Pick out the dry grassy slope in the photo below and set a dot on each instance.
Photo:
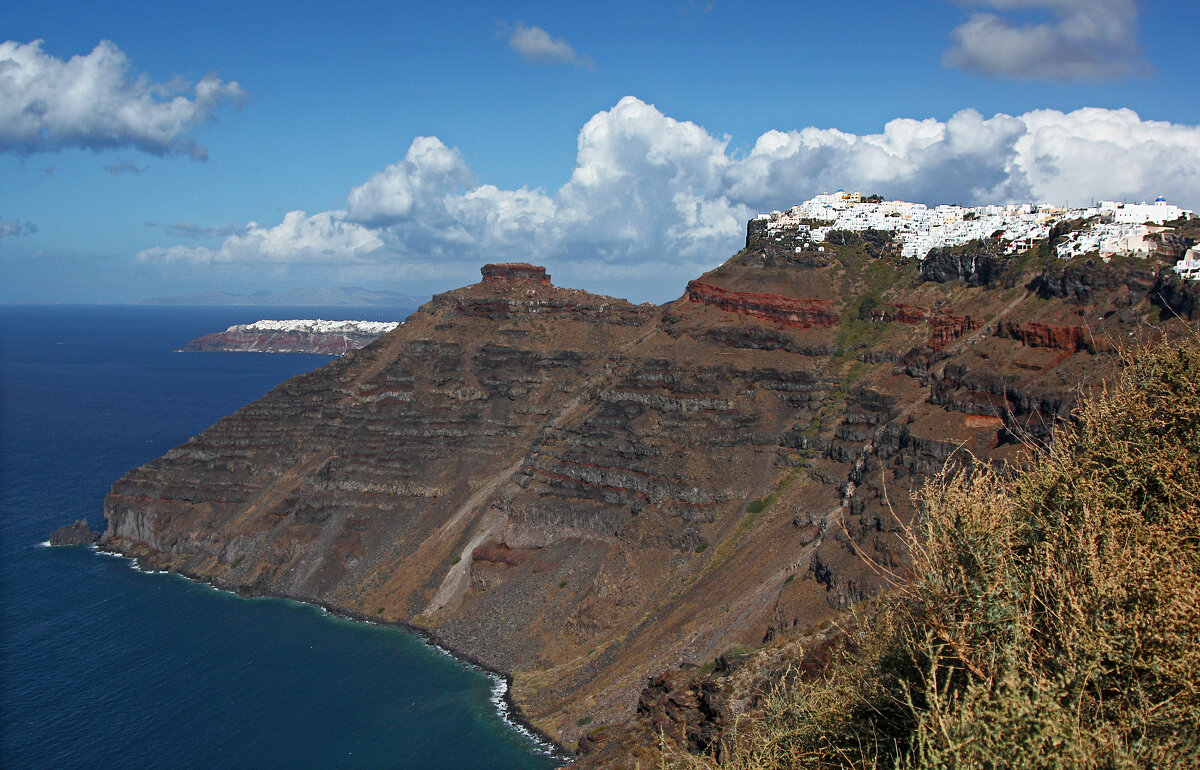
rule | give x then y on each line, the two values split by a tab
585	493
1094	663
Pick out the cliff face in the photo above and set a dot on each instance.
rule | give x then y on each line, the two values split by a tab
586	493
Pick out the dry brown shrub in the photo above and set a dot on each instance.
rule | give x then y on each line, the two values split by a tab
1054	620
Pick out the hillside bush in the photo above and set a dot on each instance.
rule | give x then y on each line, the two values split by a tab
1053	617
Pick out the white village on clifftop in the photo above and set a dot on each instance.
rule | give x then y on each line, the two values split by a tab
1108	228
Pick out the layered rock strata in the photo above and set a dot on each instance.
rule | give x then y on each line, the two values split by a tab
585	493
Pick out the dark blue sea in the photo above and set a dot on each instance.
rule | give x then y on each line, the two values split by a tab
105	666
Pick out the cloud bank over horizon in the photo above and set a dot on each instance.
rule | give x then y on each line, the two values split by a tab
97	102
654	196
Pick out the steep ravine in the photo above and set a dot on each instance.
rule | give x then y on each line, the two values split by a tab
586	493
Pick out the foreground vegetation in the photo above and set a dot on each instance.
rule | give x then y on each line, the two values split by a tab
1053	616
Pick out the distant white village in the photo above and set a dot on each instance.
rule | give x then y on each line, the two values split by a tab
1111	228
317	326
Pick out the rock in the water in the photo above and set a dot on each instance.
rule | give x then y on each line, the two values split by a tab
78	533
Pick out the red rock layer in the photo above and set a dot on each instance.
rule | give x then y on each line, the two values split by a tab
907	314
497	553
946	327
1043	335
789	311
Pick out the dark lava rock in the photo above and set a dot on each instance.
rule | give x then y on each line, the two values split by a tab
1176	296
78	533
974	265
1080	282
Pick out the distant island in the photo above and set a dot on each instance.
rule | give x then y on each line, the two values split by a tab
313	296
291	336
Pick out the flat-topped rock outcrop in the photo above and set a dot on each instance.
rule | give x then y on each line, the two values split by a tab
514	272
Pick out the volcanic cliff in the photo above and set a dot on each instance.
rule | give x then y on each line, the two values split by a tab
586	493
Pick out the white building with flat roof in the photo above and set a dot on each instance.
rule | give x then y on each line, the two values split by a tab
1189	266
1142	213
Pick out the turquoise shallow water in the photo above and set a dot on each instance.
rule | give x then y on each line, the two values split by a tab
105	666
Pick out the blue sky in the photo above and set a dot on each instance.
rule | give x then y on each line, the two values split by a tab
153	150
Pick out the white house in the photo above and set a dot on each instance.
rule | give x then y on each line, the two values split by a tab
1189	266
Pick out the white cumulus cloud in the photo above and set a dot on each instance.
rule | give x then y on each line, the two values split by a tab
965	159
97	102
1086	40
412	188
655	199
640	176
537	46
1111	154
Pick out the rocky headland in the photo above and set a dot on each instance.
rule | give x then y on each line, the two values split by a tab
291	336
79	533
594	496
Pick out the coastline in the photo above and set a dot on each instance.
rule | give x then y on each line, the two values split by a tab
505	707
